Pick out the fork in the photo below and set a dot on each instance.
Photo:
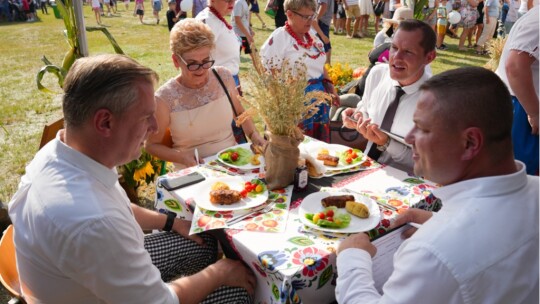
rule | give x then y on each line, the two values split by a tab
237	219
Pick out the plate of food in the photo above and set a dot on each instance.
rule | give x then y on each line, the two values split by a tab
339	212
336	157
241	157
230	193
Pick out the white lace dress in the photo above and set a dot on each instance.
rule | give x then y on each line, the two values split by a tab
200	118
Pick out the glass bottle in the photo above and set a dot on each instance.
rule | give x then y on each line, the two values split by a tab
301	177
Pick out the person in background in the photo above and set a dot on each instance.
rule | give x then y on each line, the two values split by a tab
255	10
442	23
280	18
512	15
227	50
430	13
321	25
366	10
393	6
139	10
352	11
391	94
469	14
172	16
241	25
389	25
188	102
97	10
126	4
43	6
78	239
198	6
340	17
462	254
298	42
518	69
491	13
156	8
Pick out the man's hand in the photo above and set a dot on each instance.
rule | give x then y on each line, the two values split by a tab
182	227
234	273
347	121
359	241
372	132
412	215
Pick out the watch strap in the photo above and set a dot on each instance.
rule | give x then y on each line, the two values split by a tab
170	221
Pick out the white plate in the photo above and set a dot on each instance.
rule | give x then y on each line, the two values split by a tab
333	150
247	166
202	198
312	204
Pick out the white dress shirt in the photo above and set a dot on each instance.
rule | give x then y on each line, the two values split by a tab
378	95
482	247
76	238
227	44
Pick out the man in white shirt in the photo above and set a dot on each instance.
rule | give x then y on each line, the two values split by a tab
77	237
413	47
482	247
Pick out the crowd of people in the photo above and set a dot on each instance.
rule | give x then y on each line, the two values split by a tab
473	131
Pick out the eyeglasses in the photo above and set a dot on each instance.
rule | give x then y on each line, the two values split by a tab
306	17
197	66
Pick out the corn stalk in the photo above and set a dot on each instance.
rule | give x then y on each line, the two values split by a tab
67	11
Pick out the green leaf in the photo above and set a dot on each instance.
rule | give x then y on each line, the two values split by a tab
327	274
411	180
301	241
106	32
60	74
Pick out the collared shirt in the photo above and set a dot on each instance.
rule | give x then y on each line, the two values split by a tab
76	238
378	95
227	44
482	247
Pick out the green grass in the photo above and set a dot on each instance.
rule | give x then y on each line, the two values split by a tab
24	110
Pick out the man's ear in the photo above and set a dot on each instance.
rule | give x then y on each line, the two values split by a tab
430	56
103	122
474	142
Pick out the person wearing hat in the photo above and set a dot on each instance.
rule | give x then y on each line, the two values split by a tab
385	35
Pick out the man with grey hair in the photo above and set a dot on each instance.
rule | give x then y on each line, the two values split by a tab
78	238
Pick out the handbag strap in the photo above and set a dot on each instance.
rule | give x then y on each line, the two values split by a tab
229	98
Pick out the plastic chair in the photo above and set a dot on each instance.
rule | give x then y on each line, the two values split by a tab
9	276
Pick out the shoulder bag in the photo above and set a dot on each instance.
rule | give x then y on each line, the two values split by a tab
238	132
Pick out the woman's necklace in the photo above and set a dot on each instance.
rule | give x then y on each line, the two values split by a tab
194	116
218	15
309	41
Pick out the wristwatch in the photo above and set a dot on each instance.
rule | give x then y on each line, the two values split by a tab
170	221
385	146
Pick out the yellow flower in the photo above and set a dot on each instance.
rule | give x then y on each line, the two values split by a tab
141	173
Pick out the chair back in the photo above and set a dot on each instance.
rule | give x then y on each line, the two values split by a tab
9	276
50	130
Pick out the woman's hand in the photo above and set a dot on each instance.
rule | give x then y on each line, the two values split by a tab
257	139
186	158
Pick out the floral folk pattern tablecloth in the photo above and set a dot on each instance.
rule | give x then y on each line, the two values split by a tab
299	265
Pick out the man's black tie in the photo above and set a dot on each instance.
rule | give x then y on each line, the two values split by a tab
387	122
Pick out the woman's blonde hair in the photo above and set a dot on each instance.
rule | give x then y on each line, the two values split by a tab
296	5
190	34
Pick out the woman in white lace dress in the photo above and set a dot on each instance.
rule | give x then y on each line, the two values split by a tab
194	105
